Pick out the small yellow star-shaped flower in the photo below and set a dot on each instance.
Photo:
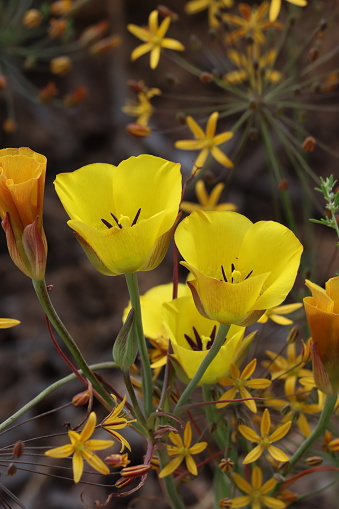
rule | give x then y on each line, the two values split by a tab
207	142
154	39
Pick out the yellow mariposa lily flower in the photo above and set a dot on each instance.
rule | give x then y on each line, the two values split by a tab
154	39
22	182
240	268
123	215
192	335
82	449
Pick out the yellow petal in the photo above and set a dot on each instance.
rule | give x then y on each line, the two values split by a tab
273	503
256	478
268	486
249	433
153	22
274	9
187	435
140	33
6	323
242	484
172	44
89	427
61	452
155	56
277	454
200	191
265	424
332	290
222	137
280	432
221	157
191	465
195	128
141	50
95	462
230	394
240	502
212	125
189	144
196	6
96	445
249	369
198	448
171	467
253	455
78	466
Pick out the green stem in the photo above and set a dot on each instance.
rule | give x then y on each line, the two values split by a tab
47	391
172	495
147	384
136	408
320	428
47	306
217	344
214	418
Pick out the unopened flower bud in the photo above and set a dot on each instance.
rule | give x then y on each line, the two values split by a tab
165	12
155	463
93	32
314	461
226	465
306	351
61	65
105	45
11	470
135	471
171	80
117	460
181	118
309	144
283	185
61	7
293	334
48	93
82	398
225	502
18	449
138	130
76	97
122	482
32	18
9	125
313	54
57	27
206	77
285	410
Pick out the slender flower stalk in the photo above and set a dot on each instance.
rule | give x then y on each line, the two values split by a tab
47	306
133	288
217	344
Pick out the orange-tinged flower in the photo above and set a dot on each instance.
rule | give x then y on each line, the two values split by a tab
82	449
123	215
251	23
207	142
238	279
183	450
257	492
240	382
266	439
207	202
154	39
322	311
22	181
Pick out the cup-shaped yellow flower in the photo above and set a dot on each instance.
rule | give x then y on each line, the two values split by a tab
82	449
154	39
322	311
240	268
123	216
192	336
22	182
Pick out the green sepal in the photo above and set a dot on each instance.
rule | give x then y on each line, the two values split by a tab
125	346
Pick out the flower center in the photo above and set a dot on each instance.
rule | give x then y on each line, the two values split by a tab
200	342
123	221
236	275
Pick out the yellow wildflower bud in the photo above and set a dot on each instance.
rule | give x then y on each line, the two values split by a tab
313	461
61	65
226	503
48	93
138	130
9	125
32	18
57	27
105	45
226	465
82	398
93	32
22	181
76	97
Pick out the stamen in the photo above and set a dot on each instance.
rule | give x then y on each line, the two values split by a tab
232	267
223	274
197	338
248	275
212	338
106	223
136	217
191	343
116	220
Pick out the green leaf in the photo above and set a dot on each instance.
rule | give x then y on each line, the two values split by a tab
125	347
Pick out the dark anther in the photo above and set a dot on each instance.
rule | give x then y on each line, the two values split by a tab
197	338
191	343
232	267
116	220
212	338
106	223
248	275
136	217
223	274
